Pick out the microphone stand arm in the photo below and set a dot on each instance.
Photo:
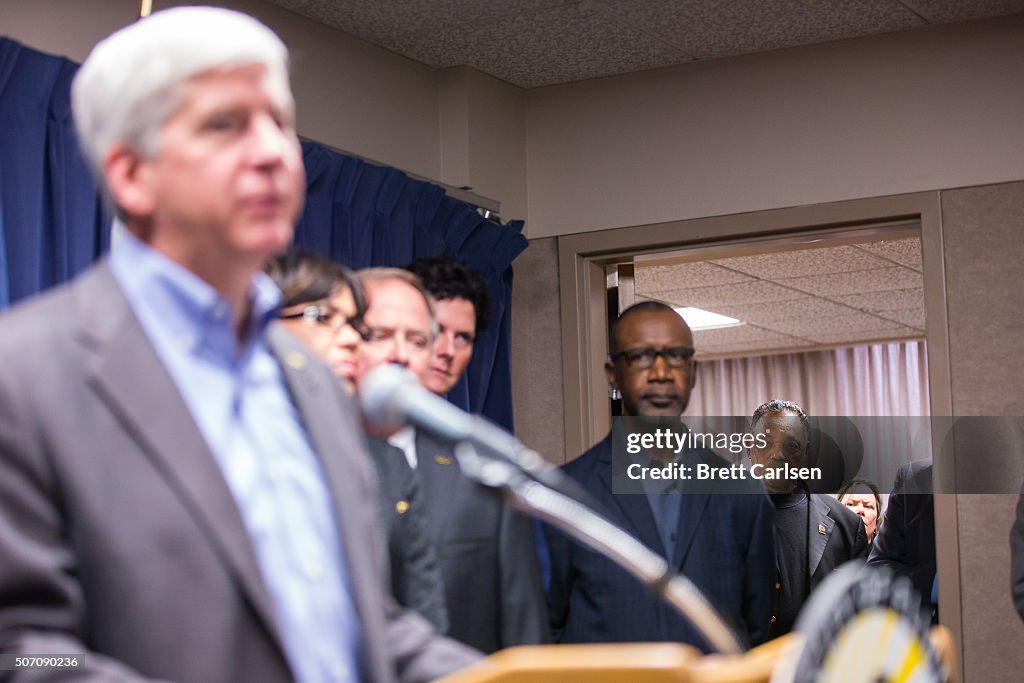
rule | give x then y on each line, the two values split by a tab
585	525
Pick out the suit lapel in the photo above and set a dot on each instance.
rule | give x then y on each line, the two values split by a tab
821	527
130	378
691	509
438	474
634	508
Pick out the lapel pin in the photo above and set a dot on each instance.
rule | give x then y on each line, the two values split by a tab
402	506
295	360
442	460
821	528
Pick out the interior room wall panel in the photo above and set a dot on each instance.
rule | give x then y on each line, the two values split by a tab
984	251
536	351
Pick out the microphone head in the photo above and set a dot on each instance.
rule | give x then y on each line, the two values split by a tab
383	394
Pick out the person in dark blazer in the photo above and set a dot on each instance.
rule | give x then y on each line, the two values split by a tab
487	551
415	572
906	541
814	532
183	491
323	305
487	554
722	542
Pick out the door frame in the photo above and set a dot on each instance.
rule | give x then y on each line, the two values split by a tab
583	260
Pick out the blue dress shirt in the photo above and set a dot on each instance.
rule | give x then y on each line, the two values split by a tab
237	396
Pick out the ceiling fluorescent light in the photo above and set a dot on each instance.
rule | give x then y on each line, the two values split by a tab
699	319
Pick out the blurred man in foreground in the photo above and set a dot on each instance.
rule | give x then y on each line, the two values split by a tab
183	495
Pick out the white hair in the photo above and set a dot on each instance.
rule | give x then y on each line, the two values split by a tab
131	82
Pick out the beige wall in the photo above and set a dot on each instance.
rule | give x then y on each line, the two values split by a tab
536	359
929	109
483	137
69	29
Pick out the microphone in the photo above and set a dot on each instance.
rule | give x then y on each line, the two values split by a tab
392	396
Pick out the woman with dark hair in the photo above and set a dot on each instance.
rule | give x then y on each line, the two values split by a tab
323	304
864	498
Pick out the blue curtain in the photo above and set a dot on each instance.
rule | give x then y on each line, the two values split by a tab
52	223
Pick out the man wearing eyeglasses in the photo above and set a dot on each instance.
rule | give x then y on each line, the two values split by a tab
487	553
722	541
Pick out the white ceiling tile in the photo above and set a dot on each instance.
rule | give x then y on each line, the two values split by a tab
774	311
788	264
650	279
911	318
810	327
710	298
707	339
905	252
857	282
885	300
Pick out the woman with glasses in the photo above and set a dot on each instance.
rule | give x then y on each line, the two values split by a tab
322	304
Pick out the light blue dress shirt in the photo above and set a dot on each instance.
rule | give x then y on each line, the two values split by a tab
237	395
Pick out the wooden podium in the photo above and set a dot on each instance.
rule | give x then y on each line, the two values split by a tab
646	663
620	663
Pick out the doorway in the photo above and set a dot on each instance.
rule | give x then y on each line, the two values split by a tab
585	260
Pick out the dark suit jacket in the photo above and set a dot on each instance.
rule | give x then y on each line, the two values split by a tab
118	533
724	547
906	540
415	573
835	536
1017	559
488	557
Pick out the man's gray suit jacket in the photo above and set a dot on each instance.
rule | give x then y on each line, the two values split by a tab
118	533
488	556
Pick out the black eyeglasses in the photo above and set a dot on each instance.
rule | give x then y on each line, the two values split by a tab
331	318
643	358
